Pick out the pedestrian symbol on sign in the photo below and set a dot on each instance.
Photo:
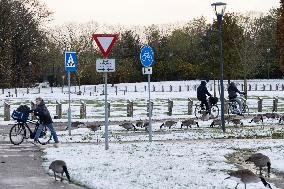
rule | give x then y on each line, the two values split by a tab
70	62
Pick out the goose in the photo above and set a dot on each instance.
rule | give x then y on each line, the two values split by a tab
237	121
146	125
168	123
246	176
139	123
260	160
216	122
272	115
128	126
188	123
94	127
59	166
257	119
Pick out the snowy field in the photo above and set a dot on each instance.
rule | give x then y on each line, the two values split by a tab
178	91
194	158
185	164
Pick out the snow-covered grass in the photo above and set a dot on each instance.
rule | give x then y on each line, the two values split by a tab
95	101
172	164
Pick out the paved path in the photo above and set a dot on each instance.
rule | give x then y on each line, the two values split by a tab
21	168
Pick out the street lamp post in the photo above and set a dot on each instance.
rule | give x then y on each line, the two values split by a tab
30	73
219	9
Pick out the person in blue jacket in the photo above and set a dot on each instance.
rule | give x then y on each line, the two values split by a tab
44	118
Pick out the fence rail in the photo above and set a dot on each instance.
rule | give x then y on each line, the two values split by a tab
128	108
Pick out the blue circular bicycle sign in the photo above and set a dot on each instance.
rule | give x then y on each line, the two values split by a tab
146	56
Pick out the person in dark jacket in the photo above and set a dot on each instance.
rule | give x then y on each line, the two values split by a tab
202	94
45	119
232	91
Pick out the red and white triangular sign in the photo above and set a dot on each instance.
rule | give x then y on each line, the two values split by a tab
105	42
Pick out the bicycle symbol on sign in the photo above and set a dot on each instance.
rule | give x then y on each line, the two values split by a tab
146	56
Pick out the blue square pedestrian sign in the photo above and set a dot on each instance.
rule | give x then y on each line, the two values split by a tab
70	61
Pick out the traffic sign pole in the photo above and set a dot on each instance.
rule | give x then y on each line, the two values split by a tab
147	58
106	114
150	109
69	107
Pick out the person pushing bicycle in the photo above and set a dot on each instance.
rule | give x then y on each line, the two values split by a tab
45	119
232	91
202	94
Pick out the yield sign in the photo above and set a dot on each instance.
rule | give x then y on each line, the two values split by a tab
105	42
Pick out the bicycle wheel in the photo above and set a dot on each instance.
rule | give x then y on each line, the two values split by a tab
17	133
198	112
214	111
45	136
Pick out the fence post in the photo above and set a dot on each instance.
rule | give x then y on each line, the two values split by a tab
187	87
275	103
163	88
259	104
115	90
129	108
170	107
83	110
263	87
249	87
27	90
95	89
282	87
226	105
242	86
125	88
2	91
39	90
33	117
58	110
108	106
179	88
270	87
152	105
255	87
145	88
6	111
135	89
276	87
171	88
154	88
190	106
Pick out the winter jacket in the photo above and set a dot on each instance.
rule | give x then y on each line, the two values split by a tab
42	112
233	90
202	91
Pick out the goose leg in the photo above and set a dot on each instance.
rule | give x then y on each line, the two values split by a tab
54	175
237	186
61	177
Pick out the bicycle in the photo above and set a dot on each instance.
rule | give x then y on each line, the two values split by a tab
200	111
18	132
233	107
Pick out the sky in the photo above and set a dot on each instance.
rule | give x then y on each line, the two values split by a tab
145	12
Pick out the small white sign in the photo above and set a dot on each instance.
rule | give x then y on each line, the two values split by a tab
105	65
147	70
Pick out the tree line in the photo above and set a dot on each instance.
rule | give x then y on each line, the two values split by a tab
30	52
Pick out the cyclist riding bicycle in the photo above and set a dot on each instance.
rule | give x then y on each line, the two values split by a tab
202	94
232	91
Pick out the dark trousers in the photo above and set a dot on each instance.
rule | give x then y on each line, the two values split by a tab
205	102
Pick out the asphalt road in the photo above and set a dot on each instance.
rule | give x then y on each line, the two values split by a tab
21	167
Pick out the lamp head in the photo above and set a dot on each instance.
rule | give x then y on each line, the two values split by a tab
219	8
